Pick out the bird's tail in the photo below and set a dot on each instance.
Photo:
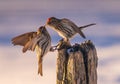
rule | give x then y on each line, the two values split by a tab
81	33
40	67
82	27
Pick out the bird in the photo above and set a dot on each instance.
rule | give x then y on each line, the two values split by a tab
39	41
65	27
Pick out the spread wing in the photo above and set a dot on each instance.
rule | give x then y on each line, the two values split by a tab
23	39
30	45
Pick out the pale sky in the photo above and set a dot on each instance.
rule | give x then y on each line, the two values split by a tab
20	16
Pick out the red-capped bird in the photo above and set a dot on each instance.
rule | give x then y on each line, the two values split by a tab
39	41
65	27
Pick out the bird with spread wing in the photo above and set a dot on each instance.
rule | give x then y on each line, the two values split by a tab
39	41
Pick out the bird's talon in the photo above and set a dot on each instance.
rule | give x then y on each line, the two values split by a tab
53	48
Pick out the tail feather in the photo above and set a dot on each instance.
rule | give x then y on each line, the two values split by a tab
40	68
82	27
82	34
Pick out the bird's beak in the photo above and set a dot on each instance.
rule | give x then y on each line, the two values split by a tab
45	25
47	22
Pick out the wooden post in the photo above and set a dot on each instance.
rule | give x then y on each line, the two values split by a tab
77	64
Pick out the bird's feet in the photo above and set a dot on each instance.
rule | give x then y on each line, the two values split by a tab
61	44
53	48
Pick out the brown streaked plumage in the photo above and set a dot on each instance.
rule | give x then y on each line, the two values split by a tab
65	27
23	39
39	41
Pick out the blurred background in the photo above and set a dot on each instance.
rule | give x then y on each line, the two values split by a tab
21	16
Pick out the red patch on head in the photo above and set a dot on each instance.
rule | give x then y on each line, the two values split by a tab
48	20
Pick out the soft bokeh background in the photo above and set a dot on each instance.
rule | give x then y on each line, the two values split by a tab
20	16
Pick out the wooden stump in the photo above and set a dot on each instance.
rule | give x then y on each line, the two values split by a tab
77	64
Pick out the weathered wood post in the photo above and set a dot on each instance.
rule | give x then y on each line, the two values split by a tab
77	64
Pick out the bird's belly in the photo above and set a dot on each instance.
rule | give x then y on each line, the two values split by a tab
38	52
67	34
62	34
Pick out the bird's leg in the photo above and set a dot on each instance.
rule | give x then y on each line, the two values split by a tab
61	40
64	40
60	44
53	48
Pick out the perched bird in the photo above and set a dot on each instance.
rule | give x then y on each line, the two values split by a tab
39	41
65	27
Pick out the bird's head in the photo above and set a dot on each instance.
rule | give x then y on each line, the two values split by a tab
41	30
51	20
